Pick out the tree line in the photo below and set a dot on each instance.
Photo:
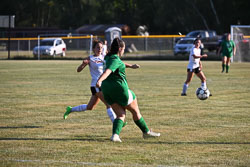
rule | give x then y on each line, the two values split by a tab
160	16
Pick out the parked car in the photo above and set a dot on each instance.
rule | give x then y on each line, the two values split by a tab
51	47
183	46
209	38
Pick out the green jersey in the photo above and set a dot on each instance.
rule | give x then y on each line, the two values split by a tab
114	63
227	48
115	87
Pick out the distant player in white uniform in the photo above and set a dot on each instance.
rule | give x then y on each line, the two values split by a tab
95	63
104	48
195	67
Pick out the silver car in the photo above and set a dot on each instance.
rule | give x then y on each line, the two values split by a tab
183	46
51	47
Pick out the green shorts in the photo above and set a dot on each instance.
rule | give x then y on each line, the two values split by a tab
121	95
227	55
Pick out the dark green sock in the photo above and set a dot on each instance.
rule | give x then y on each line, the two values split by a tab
117	126
223	67
142	125
227	68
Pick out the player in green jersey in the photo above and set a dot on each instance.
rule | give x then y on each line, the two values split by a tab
227	49
117	93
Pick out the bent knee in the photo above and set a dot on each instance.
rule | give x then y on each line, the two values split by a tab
90	107
121	117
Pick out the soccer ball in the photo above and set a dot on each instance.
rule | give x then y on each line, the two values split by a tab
202	94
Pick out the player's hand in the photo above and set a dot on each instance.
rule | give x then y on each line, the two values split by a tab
205	55
85	61
134	66
98	84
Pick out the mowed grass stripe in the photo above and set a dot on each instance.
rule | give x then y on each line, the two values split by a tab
214	132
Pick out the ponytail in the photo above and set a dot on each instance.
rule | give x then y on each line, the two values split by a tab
116	44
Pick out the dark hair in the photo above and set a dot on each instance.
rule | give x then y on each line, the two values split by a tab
197	39
116	44
95	42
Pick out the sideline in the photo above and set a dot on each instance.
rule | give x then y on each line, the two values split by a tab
76	162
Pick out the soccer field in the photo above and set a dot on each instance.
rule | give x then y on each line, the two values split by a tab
34	95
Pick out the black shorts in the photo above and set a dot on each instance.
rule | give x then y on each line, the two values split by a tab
195	70
94	90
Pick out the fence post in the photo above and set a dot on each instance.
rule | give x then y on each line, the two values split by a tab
29	46
9	39
38	52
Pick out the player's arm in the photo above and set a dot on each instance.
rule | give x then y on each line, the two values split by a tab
83	65
104	75
134	66
201	56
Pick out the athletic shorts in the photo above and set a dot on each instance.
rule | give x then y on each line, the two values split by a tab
195	70
95	90
229	55
122	99
120	95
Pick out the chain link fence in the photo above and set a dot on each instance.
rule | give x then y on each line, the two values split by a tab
137	47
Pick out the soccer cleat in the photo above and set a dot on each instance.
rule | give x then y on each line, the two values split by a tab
68	111
115	138
183	94
150	134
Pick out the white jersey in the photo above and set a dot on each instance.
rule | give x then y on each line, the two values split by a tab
95	68
104	49
194	63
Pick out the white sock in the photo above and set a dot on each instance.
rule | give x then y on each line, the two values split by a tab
79	108
185	87
111	114
204	85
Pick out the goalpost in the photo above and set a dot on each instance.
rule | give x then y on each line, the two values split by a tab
240	34
72	41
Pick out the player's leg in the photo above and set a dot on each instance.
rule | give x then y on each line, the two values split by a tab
94	100
190	75
224	58
110	111
203	80
228	64
118	122
139	120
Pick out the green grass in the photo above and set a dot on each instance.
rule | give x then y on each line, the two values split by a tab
74	54
34	95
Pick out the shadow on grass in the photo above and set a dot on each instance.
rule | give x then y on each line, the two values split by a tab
104	139
18	127
56	139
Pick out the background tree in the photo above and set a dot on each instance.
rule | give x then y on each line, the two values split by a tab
160	16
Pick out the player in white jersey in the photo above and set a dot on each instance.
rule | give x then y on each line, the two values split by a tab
105	48
95	63
195	67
